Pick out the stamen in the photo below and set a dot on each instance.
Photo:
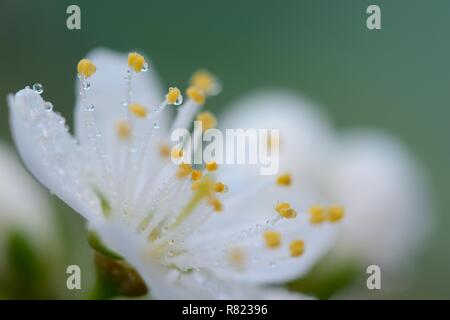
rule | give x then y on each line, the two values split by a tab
164	150
219	187
317	214
86	68
204	190
184	170
284	209
136	61
297	247
211	166
237	258
335	213
284	180
123	130
205	81
196	175
272	239
216	204
207	119
138	110
173	96
196	95
177	153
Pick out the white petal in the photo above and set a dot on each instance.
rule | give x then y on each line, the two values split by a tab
385	195
50	152
172	284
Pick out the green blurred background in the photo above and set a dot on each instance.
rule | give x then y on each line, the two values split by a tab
397	78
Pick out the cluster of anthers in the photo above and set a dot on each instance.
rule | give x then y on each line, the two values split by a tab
166	203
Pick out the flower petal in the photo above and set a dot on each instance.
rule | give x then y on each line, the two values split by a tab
172	284
383	188
49	151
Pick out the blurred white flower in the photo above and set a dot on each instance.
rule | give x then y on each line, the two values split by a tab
24	207
185	235
367	171
28	250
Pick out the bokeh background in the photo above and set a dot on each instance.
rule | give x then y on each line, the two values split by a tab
397	79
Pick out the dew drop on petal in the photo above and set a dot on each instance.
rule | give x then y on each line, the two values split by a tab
179	100
48	106
86	85
145	67
39	88
91	107
156	125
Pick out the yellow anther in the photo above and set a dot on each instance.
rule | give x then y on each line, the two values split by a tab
220	187
284	209
211	166
216	204
335	213
203	80
86	68
317	214
184	170
136	61
196	175
237	258
177	153
138	110
284	179
297	247
164	150
272	239
123	130
173	95
196	95
207	119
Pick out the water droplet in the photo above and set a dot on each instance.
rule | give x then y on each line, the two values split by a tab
171	242
91	107
48	106
170	253
145	67
39	88
86	85
124	103
179	100
156	125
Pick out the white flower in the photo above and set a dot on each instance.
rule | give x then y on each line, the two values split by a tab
187	239
29	252
24	208
369	172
